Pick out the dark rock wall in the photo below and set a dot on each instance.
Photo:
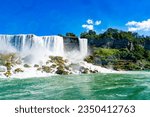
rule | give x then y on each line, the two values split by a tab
147	44
110	43
71	44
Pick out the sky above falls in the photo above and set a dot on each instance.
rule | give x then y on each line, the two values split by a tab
52	17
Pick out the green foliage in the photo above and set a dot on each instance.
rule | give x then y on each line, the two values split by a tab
147	55
138	52
121	59
89	35
70	34
125	54
105	52
115	34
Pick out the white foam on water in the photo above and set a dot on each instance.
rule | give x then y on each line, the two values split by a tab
98	68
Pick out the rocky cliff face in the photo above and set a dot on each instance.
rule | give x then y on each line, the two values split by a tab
147	44
111	43
117	43
71	43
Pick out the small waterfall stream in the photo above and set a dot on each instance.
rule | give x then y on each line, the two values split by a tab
83	44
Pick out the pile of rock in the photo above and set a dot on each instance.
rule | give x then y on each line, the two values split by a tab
55	64
85	70
7	61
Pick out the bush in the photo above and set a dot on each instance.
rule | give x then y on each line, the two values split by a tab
104	52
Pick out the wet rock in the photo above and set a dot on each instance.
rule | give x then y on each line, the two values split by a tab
46	69
36	65
8	65
11	57
93	71
39	69
89	59
61	71
57	60
27	66
8	74
53	66
18	70
84	70
67	68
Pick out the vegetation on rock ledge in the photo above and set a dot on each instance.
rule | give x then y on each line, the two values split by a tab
119	50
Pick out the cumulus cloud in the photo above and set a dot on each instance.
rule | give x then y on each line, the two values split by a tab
98	23
89	21
139	26
90	24
88	27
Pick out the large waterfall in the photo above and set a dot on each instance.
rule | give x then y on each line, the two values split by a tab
34	48
53	44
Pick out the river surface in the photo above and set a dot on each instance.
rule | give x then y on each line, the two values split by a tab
132	86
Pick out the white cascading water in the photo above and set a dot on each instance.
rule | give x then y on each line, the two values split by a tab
5	44
54	44
83	44
77	56
31	47
36	47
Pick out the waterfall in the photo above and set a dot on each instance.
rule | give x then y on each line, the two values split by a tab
5	44
35	47
53	44
83	43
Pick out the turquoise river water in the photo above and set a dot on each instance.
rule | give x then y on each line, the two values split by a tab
135	86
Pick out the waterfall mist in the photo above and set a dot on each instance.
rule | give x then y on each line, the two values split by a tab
5	45
35	49
77	55
32	48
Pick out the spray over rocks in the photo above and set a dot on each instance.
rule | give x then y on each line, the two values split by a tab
37	56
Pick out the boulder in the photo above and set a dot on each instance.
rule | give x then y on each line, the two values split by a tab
27	66
61	71
84	70
8	65
7	74
46	69
39	69
36	65
17	70
53	66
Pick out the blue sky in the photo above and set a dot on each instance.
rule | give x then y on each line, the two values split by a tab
49	17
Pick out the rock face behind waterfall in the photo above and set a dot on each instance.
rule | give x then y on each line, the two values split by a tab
110	43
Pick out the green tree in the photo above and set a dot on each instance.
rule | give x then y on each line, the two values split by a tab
70	34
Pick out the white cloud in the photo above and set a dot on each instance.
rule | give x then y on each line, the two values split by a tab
90	24
98	22
89	21
88	27
139	26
